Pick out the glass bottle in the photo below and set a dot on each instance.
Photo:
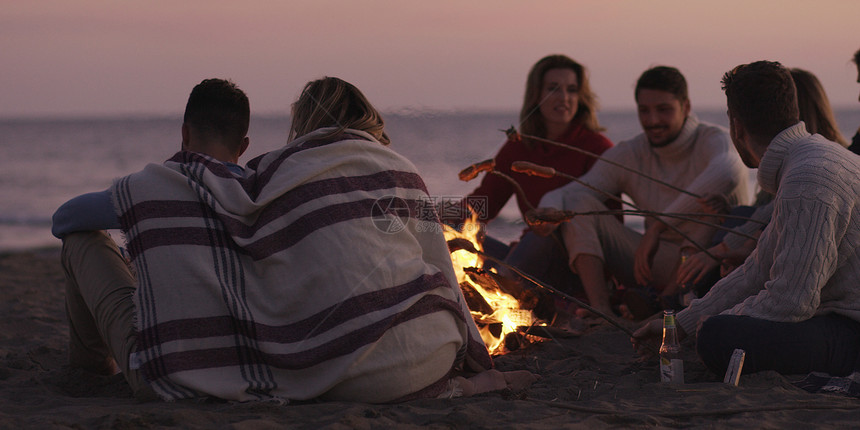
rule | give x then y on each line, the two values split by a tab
671	365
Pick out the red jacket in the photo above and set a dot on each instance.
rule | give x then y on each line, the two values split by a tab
498	190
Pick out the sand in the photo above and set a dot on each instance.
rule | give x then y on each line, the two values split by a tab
589	381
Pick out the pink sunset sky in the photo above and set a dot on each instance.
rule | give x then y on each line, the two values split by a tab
99	57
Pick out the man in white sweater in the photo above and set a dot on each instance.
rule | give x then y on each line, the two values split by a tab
676	148
794	305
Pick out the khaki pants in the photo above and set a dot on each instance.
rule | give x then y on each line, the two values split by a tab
99	291
608	239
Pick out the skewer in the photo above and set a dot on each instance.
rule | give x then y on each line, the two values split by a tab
556	216
512	131
549	172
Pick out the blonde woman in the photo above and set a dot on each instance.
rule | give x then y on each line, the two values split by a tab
371	275
558	105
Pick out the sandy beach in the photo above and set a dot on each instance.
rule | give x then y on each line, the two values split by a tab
589	381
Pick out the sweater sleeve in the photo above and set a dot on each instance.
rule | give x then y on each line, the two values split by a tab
87	212
721	175
602	176
762	214
732	289
782	279
805	252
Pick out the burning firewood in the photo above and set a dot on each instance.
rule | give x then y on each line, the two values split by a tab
468	246
493	281
498	305
459	243
474	300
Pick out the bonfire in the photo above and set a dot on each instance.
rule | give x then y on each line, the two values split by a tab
502	309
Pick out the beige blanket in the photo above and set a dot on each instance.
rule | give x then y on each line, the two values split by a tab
320	272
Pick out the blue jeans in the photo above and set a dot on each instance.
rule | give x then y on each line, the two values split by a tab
828	343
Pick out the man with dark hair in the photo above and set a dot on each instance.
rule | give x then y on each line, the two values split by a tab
676	148
794	305
218	109
99	283
216	122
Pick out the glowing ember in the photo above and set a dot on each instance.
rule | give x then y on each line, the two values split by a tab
506	310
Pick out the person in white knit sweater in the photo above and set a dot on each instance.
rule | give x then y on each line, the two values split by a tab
794	305
675	147
731	250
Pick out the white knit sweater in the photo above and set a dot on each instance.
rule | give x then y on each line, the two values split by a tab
807	261
701	160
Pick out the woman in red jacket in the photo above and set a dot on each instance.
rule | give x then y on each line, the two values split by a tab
560	106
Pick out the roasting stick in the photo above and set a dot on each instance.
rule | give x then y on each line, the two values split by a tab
473	170
549	172
467	245
513	133
712	215
561	216
689	216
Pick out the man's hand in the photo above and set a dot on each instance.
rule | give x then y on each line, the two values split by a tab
652	332
695	267
714	203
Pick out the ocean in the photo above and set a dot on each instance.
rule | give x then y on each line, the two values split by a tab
45	162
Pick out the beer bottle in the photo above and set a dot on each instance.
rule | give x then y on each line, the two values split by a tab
671	365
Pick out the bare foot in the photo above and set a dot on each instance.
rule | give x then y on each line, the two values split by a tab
106	367
493	380
517	380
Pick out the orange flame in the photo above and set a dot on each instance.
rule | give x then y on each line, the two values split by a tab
506	308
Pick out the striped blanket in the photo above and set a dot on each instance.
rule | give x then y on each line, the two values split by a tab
322	272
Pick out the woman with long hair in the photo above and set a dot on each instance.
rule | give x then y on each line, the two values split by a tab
335	103
369	272
558	105
855	141
815	108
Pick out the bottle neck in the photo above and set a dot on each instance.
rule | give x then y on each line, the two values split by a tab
670	334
